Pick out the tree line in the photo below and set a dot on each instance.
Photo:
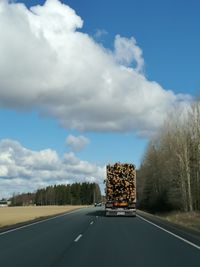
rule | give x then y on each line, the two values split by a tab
169	176
71	194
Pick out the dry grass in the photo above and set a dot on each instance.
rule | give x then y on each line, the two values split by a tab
13	215
188	219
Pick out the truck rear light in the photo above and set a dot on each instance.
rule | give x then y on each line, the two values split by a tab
120	204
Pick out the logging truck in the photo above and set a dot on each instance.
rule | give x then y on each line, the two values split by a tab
120	190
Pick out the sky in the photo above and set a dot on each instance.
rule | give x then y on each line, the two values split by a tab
87	83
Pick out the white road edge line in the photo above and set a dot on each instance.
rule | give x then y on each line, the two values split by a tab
91	222
78	237
181	238
45	220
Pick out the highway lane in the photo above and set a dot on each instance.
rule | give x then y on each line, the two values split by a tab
86	238
42	243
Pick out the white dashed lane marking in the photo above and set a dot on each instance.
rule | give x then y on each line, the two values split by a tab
78	237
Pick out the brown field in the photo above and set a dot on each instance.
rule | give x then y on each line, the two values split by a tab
13	215
188	219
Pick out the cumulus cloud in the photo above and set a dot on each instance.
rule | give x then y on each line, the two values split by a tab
46	63
77	143
23	170
126	52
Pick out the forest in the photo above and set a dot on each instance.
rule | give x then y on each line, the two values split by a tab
71	194
169	176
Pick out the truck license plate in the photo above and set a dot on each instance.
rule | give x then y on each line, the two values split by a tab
120	213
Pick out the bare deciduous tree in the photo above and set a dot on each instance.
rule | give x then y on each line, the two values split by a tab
170	171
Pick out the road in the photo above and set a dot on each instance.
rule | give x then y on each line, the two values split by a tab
86	238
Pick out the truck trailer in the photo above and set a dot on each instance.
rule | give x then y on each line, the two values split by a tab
120	190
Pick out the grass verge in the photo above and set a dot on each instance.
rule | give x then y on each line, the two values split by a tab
189	220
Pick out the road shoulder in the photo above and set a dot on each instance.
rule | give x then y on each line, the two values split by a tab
186	233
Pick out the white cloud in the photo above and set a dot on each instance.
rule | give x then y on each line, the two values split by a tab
99	33
71	159
126	52
47	64
23	170
77	143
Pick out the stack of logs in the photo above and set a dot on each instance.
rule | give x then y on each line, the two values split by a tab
120	183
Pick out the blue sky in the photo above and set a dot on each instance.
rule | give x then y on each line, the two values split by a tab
150	53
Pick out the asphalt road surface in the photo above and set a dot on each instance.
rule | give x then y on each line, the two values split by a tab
86	238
